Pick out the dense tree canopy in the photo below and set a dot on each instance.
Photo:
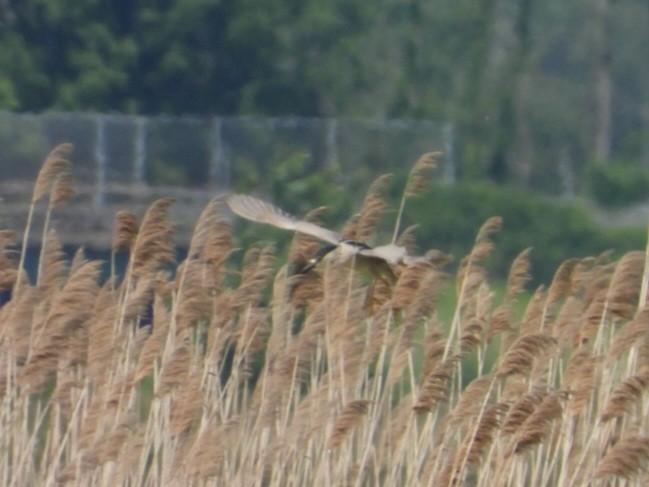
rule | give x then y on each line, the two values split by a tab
523	80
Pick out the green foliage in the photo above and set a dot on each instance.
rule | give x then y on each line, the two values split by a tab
618	185
528	107
450	216
24	147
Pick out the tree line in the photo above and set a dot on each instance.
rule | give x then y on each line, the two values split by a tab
522	80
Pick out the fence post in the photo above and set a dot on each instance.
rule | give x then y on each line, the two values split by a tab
449	174
331	143
100	161
220	175
566	173
139	167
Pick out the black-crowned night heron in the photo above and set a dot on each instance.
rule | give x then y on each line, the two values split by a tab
375	258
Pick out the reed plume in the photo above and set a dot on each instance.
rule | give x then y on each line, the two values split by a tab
347	420
538	425
626	460
71	309
525	352
153	247
626	395
124	235
416	183
363	224
56	163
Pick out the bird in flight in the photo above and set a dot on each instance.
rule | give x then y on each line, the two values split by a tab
376	258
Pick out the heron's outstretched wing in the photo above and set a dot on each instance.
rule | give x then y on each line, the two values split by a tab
392	253
259	211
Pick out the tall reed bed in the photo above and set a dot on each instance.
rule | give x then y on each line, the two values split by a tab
218	375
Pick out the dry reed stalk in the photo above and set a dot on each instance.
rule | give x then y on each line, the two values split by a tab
18	322
517	279
61	191
306	291
380	328
347	420
398	418
250	338
470	275
626	460
363	224
518	276
416	183
125	231
470	402
282	315
154	344
538	425
500	323
474	324
596	278
187	403
475	445
68	390
409	282
624	289
205	458
193	299
220	329
129	456
55	164
434	346
308	425
8	271
152	248
408	241
566	325
564	281
136	304
218	247
124	234
204	227
419	309
102	449
595	298
419	174
258	270
626	395
102	337
345	343
533	320
54	269
296	363
466	281
435	387
521	357
630	335
522	409
70	310
176	363
580	379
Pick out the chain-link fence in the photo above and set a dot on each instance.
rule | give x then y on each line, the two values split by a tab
125	162
211	153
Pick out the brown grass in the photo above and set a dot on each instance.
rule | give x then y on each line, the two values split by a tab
218	374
